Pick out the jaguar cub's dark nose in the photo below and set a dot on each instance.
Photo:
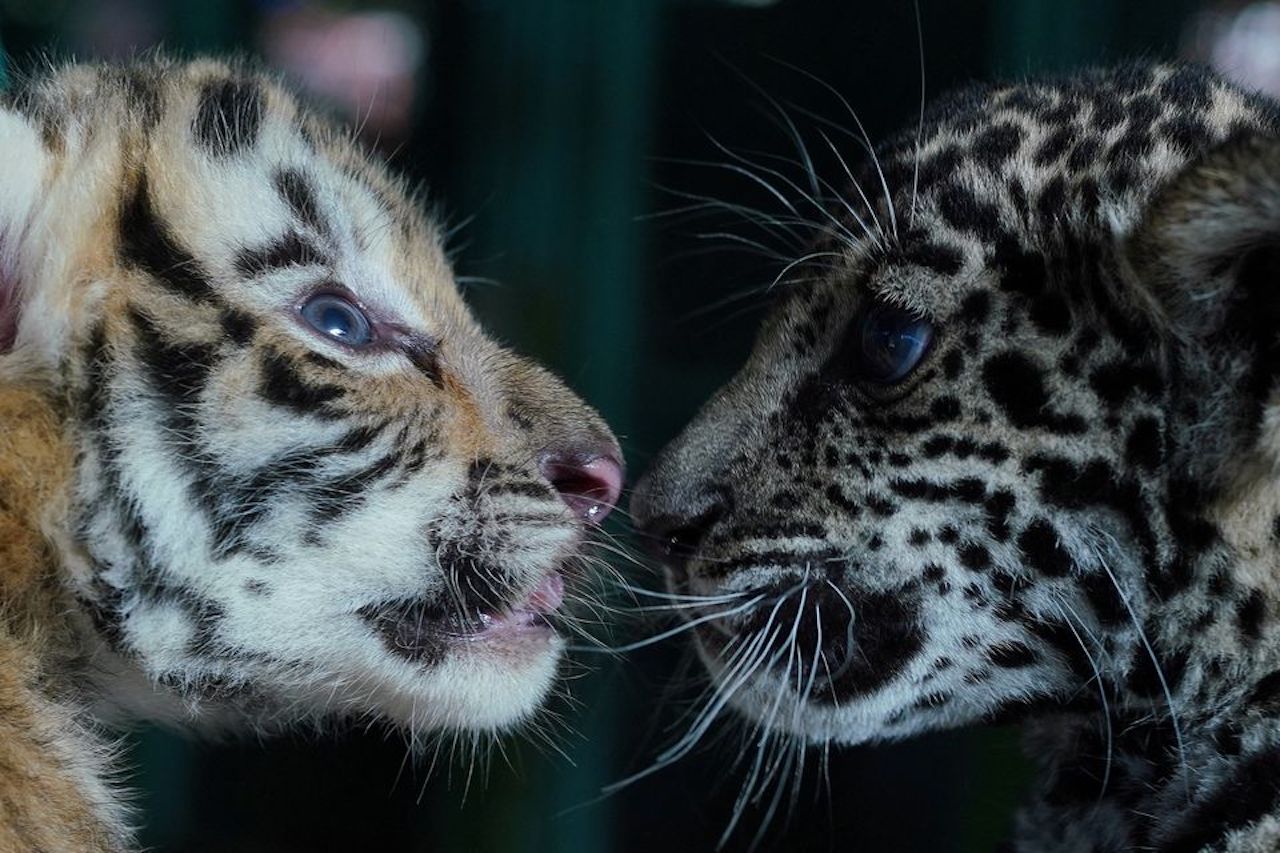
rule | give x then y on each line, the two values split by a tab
675	539
589	482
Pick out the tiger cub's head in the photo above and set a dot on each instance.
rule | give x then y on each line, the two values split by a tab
306	484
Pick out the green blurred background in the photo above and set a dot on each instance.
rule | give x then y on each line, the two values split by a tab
554	129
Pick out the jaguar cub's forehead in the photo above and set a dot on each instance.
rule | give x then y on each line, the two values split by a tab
997	181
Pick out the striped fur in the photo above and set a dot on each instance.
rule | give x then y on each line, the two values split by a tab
255	525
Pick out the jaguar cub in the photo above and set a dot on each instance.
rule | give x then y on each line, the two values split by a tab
259	466
1011	451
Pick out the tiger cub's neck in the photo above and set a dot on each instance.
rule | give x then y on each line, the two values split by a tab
55	793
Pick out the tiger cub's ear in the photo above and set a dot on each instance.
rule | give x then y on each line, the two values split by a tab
1207	255
23	166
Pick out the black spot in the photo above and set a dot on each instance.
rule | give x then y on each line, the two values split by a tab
975	558
1051	314
887	637
1017	386
994	146
836	496
993	452
976	308
1051	202
1114	383
324	361
1042	550
229	116
937	445
1145	680
1187	87
1012	655
1054	145
881	506
1083	154
999	506
967	213
1185	133
1250	614
930	701
942	259
1064	639
945	409
1105	599
1265	695
1107	113
1143	448
952	364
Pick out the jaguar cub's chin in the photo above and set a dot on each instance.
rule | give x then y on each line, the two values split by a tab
808	655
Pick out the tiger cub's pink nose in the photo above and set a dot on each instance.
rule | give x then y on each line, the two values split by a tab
589	484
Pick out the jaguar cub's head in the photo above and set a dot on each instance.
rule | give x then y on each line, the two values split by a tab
991	456
305	481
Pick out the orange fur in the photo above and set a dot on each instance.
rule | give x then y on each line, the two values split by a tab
42	800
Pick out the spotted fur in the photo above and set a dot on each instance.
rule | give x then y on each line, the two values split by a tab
1068	514
214	516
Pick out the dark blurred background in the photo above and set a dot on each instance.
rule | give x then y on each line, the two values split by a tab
553	132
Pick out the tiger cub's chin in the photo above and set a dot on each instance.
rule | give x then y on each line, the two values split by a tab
258	462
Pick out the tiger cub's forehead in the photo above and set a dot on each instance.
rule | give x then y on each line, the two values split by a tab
258	190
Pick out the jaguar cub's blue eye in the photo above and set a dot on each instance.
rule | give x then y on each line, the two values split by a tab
338	318
890	343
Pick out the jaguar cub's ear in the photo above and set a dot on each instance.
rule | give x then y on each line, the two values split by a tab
1208	248
1207	255
23	167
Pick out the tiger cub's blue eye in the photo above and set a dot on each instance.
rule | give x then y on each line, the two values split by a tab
890	343
339	319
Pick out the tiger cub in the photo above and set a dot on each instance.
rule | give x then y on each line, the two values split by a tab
259	465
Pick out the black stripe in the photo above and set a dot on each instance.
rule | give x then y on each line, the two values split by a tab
1251	793
290	250
229	116
238	326
424	352
296	190
97	373
147	245
524	488
143	96
336	497
178	371
283	386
